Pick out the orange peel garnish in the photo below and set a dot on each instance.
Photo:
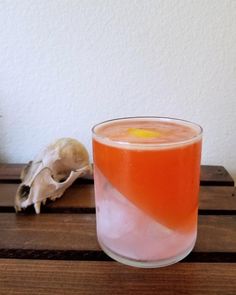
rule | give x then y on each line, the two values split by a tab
143	133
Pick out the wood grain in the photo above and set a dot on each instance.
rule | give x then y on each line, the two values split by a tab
210	175
217	198
48	231
74	277
78	232
82	197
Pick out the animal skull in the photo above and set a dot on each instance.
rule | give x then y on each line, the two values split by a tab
51	173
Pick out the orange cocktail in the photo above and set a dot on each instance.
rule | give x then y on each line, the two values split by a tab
146	186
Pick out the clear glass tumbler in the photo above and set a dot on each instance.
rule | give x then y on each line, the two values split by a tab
146	173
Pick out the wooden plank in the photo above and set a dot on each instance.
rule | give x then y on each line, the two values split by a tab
216	234
78	232
215	175
76	197
82	197
78	277
48	231
210	175
10	171
217	198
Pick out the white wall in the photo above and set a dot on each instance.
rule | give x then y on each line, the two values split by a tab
66	65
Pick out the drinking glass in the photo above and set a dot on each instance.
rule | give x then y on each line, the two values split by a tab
146	174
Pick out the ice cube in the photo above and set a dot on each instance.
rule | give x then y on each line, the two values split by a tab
115	218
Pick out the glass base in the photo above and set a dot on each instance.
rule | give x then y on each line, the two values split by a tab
147	264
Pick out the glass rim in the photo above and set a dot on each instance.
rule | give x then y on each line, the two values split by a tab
117	143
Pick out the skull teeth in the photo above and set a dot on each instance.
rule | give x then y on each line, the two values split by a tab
37	206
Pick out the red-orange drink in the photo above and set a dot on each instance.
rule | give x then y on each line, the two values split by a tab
146	187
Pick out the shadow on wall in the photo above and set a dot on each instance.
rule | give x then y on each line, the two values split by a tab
1	141
2	137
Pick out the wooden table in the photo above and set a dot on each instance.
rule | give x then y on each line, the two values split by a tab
56	252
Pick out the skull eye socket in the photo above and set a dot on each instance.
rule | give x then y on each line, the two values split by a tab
24	192
61	176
